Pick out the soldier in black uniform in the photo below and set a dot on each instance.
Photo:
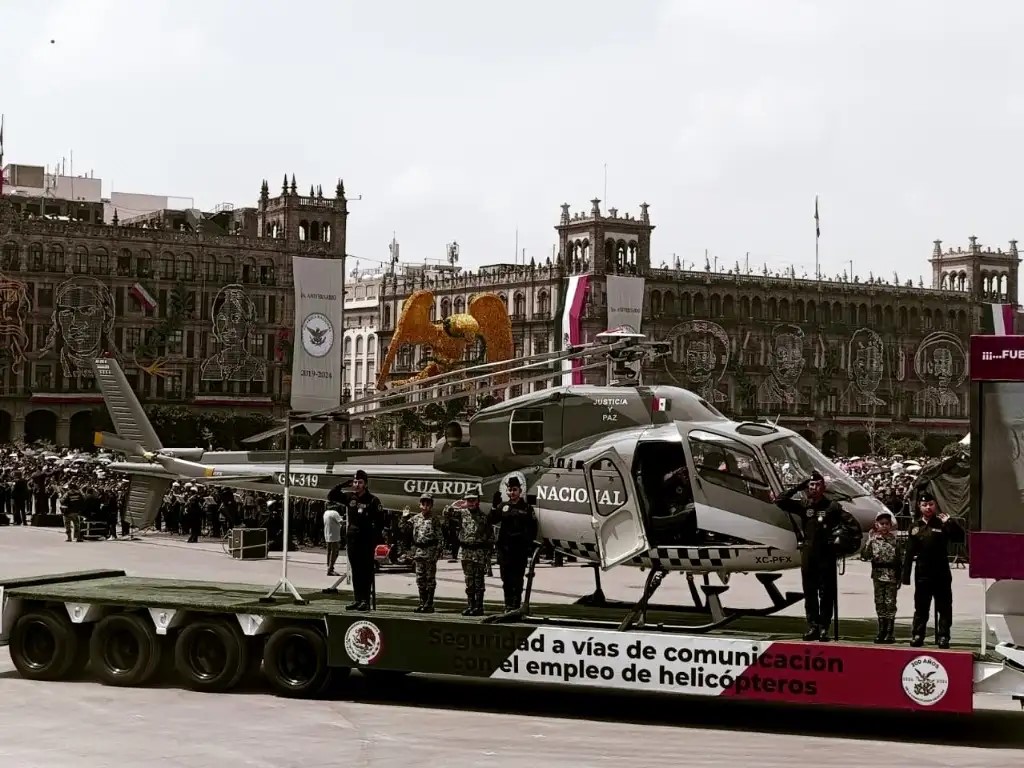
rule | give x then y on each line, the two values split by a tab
517	532
928	543
364	527
827	532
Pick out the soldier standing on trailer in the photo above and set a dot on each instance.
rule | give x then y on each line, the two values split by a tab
363	531
928	543
476	537
427	541
828	532
517	531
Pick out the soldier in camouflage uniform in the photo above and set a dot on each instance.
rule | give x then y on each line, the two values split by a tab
882	550
476	538
427	540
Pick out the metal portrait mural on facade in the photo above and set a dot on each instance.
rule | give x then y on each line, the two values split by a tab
700	356
866	367
234	318
785	365
81	325
14	311
941	365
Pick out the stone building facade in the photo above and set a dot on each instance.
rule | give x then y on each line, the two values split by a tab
846	363
197	307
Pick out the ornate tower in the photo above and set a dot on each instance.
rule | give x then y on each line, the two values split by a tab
605	245
311	219
989	276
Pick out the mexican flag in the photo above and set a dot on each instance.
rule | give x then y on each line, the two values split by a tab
998	319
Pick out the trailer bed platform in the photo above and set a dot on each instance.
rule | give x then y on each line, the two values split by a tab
128	631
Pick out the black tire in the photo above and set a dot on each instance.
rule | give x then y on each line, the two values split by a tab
44	645
211	655
295	662
125	650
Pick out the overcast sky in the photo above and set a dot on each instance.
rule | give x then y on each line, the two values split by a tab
462	120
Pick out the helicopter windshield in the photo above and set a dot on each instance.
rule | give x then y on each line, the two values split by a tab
793	460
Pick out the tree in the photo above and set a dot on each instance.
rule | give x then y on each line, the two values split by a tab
905	446
956	448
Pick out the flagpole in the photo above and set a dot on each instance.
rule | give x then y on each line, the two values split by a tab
817	237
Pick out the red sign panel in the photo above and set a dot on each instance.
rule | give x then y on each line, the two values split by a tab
861	677
997	358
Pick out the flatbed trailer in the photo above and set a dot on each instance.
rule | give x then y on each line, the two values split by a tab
127	631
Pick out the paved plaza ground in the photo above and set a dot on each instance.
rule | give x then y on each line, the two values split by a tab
455	723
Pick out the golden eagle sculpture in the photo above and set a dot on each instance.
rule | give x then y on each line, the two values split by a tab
449	338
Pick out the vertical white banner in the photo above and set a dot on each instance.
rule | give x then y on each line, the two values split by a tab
625	301
316	360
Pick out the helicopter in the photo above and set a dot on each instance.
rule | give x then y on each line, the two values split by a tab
592	458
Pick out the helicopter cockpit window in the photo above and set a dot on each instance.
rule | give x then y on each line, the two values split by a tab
793	459
609	487
723	461
526	432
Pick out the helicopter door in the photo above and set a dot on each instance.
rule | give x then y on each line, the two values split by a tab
732	494
615	513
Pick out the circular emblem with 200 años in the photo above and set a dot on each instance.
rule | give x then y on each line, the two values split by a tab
925	680
317	334
363	642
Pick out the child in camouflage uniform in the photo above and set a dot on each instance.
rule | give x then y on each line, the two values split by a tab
427	540
882	550
476	539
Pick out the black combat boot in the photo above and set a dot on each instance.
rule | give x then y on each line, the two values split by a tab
916	641
356	606
470	603
823	635
880	637
478	604
428	601
812	633
942	642
423	602
890	632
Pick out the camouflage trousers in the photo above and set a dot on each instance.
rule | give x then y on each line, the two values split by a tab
885	598
474	572
426	574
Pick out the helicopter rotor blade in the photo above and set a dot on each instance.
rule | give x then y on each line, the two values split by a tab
117	443
184	468
456	377
456	395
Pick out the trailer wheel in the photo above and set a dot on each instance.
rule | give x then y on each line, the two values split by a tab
295	662
211	655
44	645
125	650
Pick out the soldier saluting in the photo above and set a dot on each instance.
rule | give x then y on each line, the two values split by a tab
928	543
476	537
427	539
516	534
364	515
827	532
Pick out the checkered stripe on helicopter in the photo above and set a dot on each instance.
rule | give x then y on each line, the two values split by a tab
666	557
684	557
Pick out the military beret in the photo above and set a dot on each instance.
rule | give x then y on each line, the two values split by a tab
817	477
361	475
925	496
513	482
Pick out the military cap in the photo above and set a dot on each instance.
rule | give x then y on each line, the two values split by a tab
817	477
361	475
925	496
426	497
885	513
471	496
